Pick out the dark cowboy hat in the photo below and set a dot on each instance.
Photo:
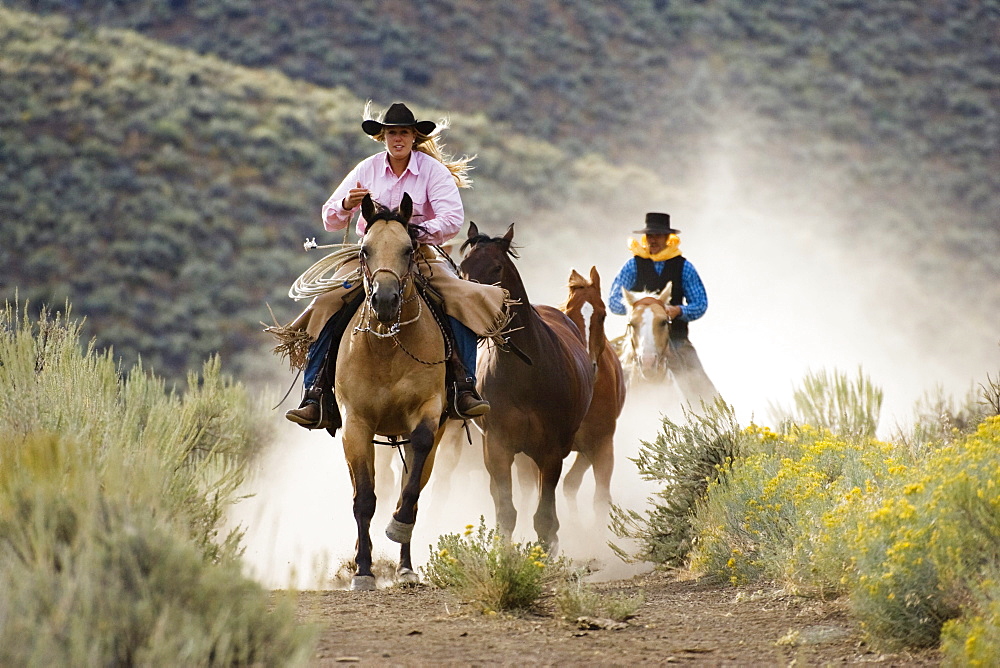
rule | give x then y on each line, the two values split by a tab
657	223
398	115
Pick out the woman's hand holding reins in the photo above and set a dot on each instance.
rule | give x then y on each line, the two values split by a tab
354	197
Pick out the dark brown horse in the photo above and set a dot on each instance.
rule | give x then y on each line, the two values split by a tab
390	380
595	439
539	396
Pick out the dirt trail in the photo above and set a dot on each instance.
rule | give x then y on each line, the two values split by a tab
683	621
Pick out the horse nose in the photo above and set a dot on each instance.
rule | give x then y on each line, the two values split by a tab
385	305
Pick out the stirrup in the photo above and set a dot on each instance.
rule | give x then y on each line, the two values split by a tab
460	388
329	414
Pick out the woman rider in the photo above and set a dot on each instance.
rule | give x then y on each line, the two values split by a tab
412	163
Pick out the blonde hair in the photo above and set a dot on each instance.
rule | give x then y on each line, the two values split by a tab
433	146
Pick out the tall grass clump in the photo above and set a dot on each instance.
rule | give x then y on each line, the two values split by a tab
834	402
575	598
684	458
112	492
939	419
484	568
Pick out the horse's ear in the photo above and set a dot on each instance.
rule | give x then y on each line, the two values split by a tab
595	278
473	230
666	293
629	297
405	208
368	208
576	280
510	234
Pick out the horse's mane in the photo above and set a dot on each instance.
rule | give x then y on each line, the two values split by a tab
487	239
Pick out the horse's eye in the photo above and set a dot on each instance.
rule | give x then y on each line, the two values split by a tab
663	323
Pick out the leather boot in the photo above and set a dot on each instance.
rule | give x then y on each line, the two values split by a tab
310	413
466	401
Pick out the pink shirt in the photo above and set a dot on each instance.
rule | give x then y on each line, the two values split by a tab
436	203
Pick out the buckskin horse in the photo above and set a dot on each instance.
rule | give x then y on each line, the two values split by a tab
594	441
390	380
646	349
539	390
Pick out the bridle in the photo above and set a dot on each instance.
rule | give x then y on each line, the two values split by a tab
661	362
405	281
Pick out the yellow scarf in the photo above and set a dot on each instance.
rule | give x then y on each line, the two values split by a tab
641	248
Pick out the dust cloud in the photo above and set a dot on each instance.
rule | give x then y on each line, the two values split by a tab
299	527
787	297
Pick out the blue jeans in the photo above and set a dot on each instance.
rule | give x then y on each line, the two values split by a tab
466	342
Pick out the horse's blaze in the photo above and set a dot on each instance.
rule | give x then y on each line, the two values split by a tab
647	338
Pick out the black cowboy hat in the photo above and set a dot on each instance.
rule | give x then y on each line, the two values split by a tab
398	115
657	223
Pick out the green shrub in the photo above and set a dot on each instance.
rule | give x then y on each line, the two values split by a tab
484	568
88	578
685	458
112	495
908	533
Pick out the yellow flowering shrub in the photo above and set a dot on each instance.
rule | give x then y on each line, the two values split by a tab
974	640
923	554
771	513
486	569
908	529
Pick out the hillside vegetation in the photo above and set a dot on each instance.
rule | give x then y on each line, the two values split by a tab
907	90
165	193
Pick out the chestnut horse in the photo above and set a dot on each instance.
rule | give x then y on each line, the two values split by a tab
390	380
538	396
646	351
595	439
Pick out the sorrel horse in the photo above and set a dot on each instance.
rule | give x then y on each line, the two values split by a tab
539	396
390	380
646	348
594	441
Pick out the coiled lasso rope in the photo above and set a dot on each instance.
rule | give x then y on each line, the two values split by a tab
313	281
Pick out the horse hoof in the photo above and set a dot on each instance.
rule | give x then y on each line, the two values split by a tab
407	576
399	532
363	583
